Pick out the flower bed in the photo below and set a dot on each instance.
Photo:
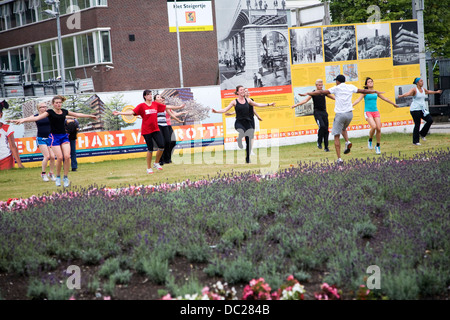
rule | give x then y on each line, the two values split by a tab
338	220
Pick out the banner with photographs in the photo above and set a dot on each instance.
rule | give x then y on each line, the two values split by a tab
387	52
115	137
253	50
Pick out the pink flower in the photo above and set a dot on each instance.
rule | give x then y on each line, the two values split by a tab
167	297
107	298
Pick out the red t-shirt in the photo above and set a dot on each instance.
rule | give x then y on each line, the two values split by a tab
149	116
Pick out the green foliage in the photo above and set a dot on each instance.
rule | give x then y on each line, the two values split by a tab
190	287
109	267
239	270
401	286
365	229
121	277
93	284
110	121
155	268
91	256
233	235
81	104
38	289
195	252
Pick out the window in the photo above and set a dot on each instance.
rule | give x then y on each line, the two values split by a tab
48	58
99	3
69	53
19	9
85	49
15	60
106	46
41	61
4	60
22	12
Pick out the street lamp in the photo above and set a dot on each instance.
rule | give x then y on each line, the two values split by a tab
56	14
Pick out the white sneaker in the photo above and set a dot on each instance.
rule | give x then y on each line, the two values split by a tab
417	144
157	166
423	138
369	145
149	171
339	161
52	176
66	182
348	146
377	150
44	178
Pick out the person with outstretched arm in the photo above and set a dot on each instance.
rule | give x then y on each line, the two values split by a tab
344	111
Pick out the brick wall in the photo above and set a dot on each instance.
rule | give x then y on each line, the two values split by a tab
151	61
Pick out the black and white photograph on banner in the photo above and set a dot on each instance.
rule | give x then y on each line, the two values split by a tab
350	71
306	45
405	43
306	109
339	43
253	44
331	72
405	101
374	41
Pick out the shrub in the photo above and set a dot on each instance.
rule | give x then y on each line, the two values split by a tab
401	286
40	289
109	267
155	268
91	256
365	229
239	270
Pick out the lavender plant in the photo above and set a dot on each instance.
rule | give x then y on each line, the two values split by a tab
386	211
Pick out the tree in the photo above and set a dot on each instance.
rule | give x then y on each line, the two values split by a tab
79	103
110	121
15	109
436	18
196	111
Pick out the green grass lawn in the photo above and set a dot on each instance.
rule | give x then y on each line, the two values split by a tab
23	183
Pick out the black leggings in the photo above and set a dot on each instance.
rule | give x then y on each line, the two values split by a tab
169	145
417	116
322	121
157	137
246	129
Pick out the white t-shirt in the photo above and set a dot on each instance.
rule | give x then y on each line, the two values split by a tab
343	94
5	132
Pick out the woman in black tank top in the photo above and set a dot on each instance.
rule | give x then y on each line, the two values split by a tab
252	112
244	116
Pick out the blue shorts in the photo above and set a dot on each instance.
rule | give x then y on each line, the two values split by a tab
43	141
58	139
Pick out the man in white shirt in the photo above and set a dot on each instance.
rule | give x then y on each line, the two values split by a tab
344	110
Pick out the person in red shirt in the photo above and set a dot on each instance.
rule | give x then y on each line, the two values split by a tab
148	111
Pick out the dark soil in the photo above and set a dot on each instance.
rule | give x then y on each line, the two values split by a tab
15	287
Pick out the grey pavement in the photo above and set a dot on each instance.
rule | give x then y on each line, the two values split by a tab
440	127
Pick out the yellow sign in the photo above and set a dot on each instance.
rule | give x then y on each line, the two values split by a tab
357	51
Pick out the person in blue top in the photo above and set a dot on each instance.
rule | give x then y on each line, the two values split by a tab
419	110
44	143
372	114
